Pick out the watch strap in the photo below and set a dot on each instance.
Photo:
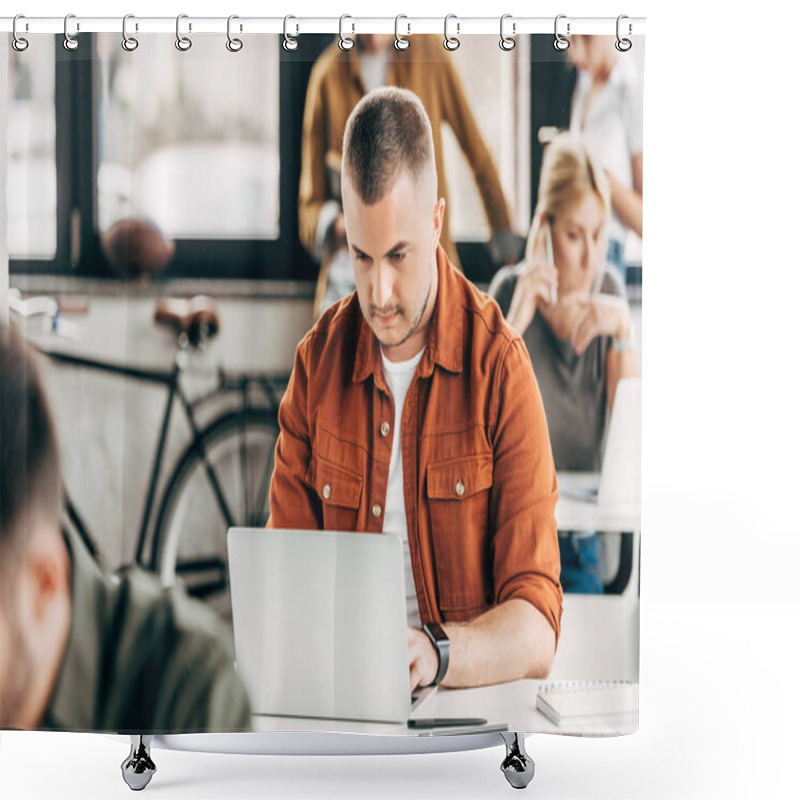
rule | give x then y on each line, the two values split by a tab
441	644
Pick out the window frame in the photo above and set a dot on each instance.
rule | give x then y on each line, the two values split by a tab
281	259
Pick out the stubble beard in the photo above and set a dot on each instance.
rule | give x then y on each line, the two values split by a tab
414	325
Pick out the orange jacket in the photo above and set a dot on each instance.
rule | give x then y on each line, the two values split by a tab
480	484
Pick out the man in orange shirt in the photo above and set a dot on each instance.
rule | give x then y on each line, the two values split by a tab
413	409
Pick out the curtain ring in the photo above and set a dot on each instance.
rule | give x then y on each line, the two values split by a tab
506	42
345	42
623	45
234	45
451	42
70	42
183	43
400	42
129	43
560	42
289	43
19	43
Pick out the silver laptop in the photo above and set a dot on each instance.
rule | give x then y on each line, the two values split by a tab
620	478
319	623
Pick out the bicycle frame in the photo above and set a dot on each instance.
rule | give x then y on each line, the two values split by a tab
170	380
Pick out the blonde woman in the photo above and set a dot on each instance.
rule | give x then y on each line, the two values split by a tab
571	311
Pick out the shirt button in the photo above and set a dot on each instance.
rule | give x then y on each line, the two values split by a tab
376	510
459	489
385	428
326	491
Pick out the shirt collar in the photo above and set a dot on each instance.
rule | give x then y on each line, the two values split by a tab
73	703
444	344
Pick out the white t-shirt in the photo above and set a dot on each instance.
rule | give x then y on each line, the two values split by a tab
611	127
398	376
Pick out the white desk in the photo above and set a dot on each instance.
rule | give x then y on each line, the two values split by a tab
510	706
574	513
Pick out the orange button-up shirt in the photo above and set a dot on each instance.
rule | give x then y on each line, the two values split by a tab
479	481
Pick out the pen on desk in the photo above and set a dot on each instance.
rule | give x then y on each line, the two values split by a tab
445	722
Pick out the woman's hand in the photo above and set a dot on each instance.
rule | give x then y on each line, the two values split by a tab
537	286
596	315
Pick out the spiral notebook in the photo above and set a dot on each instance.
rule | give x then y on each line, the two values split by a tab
579	701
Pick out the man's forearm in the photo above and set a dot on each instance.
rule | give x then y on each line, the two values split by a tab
510	641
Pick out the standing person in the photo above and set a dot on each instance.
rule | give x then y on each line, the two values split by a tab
339	79
412	409
81	650
607	114
570	308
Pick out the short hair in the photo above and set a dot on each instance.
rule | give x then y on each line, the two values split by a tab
29	463
388	131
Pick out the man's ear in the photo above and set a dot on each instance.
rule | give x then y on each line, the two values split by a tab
438	221
47	565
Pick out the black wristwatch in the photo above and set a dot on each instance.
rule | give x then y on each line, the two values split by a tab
442	646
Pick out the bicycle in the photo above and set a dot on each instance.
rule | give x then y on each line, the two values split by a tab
221	478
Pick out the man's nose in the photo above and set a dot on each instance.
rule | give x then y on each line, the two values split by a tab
383	286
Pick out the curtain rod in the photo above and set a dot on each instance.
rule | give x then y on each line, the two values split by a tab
298	25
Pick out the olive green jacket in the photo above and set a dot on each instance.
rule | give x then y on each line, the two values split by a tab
142	659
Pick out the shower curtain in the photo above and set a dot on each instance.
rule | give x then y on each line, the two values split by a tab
174	230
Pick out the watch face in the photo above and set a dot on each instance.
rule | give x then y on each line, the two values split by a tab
437	631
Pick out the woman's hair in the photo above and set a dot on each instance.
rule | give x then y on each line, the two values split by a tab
568	175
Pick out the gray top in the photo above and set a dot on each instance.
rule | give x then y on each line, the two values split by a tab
142	659
573	389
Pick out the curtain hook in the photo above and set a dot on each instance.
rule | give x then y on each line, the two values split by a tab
506	42
19	43
129	43
560	42
233	44
400	42
183	43
289	43
345	42
623	45
70	42
451	42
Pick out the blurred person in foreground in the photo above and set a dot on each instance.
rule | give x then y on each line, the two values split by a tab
570	308
81	650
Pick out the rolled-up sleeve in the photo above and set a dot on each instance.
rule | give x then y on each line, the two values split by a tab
524	493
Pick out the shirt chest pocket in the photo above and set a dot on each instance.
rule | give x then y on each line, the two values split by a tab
458	497
339	491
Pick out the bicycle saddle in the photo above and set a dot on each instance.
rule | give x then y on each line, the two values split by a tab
197	317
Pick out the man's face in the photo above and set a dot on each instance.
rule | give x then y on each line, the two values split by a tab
374	43
593	54
393	249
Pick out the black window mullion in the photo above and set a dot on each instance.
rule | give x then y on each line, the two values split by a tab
59	264
85	134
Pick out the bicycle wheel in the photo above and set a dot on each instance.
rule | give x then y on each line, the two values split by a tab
221	480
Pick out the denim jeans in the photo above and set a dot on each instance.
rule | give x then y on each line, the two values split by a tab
580	572
616	257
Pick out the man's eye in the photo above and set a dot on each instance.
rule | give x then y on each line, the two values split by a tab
362	257
397	256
